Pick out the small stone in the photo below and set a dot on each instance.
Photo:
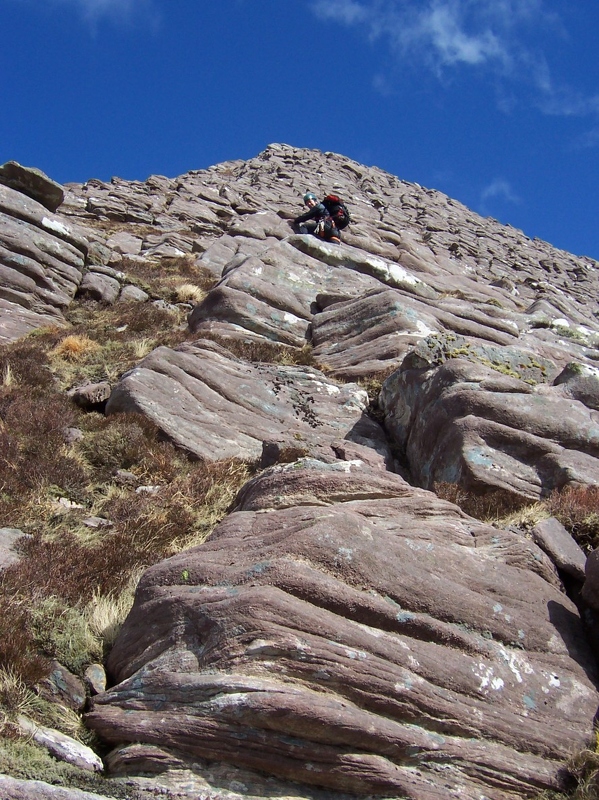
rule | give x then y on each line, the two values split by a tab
123	476
61	686
97	522
90	394
95	676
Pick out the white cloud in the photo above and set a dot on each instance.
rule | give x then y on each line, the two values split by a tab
566	102
116	10
444	28
502	37
499	188
442	32
346	11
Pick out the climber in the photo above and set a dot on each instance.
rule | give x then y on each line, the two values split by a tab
317	220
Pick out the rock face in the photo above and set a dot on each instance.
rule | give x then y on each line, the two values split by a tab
466	423
344	632
313	637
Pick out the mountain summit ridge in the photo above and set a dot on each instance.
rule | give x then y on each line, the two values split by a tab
344	631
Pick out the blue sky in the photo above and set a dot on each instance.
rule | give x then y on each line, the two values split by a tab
494	102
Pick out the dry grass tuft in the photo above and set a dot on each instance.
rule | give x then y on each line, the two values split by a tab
63	633
189	293
8	376
105	614
584	768
75	347
265	351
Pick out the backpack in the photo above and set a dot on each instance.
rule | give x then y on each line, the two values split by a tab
338	211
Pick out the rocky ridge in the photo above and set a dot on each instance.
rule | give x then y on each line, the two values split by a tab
343	631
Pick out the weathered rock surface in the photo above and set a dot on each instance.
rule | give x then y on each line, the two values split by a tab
465	422
90	394
42	257
561	548
62	747
313	637
61	686
217	406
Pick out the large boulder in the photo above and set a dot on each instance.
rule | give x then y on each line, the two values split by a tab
342	629
32	182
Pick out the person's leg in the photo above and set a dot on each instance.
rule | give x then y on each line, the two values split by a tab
331	234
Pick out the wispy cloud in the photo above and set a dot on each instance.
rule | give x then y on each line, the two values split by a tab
500	189
495	196
444	32
501	37
123	11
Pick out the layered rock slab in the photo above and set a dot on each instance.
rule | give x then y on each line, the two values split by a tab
217	406
42	259
345	630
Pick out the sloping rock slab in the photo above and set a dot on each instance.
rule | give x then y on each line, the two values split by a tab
216	406
41	264
273	293
465	423
386	644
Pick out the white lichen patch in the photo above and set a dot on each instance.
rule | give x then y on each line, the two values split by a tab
553	682
488	680
356	655
571	699
517	664
586	371
56	225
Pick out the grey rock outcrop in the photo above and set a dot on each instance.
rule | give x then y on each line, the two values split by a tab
42	257
464	422
9	552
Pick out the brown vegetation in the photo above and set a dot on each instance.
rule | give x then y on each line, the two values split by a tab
48	487
489	506
577	508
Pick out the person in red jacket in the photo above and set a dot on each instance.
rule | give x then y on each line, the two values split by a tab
317	220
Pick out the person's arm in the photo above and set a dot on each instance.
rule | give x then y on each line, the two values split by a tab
316	212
